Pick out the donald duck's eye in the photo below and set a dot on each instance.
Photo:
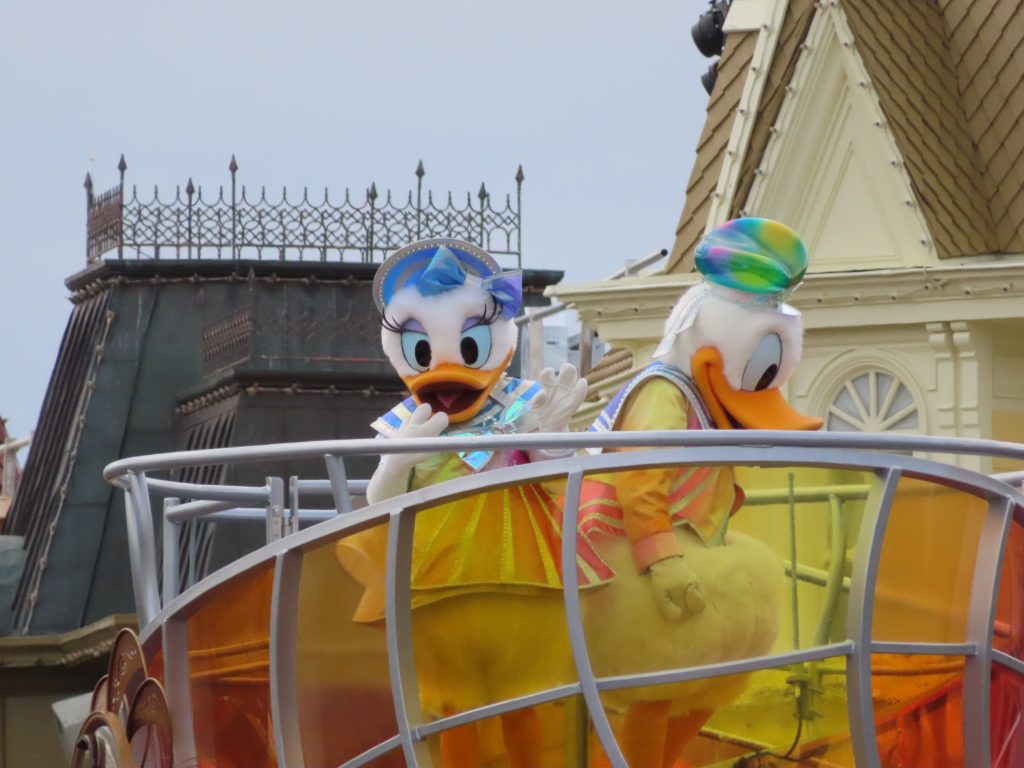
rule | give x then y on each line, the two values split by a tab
476	345
763	366
416	348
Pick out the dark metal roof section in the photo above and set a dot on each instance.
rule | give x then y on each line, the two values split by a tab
220	320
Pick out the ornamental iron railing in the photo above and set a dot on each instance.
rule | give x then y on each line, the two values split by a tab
234	222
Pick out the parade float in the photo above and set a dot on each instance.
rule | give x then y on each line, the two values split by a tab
437	614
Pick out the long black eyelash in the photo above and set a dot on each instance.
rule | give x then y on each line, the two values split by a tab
389	324
490	314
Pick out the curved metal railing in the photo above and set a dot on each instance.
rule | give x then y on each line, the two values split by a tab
883	457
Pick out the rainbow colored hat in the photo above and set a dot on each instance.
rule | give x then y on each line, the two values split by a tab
748	261
442	264
759	258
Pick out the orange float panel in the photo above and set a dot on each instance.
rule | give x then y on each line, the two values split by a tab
228	638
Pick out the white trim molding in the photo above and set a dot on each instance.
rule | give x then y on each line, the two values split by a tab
832	169
771	14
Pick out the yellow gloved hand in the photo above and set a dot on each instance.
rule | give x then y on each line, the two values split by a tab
677	589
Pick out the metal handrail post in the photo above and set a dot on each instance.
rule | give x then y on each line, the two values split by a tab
143	553
981	617
860	616
339	483
275	509
172	548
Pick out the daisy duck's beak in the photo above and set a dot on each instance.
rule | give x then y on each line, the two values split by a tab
742	409
454	389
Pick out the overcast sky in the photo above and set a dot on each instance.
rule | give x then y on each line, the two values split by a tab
600	101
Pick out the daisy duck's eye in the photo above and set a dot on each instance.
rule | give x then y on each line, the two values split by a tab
476	345
416	348
763	366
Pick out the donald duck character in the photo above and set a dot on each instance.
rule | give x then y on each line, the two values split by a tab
686	591
488	618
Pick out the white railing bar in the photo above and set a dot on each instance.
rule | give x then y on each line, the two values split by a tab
178	686
372	753
909	648
860	616
323	487
721	669
193	509
981	616
238	493
284	699
117	470
171	545
496	709
1008	661
574	622
339	483
142	548
398	631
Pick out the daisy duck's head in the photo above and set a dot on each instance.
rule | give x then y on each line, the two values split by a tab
447	316
734	333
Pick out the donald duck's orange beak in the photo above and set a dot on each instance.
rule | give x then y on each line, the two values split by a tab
740	409
454	389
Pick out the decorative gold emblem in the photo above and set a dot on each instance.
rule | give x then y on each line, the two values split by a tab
130	722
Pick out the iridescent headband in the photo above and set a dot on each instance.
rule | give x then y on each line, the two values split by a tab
440	265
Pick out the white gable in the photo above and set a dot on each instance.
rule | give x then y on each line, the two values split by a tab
831	169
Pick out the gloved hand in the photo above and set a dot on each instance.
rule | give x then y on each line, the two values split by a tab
558	399
554	405
677	589
391	477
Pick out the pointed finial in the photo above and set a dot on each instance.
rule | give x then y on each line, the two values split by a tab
483	191
372	194
88	181
233	165
419	169
519	175
122	166
189	188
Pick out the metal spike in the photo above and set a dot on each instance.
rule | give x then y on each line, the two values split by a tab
189	188
233	165
122	166
88	181
372	194
419	169
519	175
483	191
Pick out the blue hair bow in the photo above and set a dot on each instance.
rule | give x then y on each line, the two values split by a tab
446	273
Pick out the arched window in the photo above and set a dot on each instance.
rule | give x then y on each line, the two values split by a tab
873	401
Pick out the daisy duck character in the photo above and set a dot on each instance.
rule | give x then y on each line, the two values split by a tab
488	618
688	592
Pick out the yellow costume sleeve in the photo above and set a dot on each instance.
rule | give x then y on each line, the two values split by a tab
655	405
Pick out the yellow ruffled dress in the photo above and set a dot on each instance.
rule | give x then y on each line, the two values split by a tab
488	616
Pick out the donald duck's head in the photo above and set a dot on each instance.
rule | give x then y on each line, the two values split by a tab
447	315
734	333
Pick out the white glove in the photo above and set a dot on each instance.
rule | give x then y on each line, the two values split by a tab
677	589
558	399
392	475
